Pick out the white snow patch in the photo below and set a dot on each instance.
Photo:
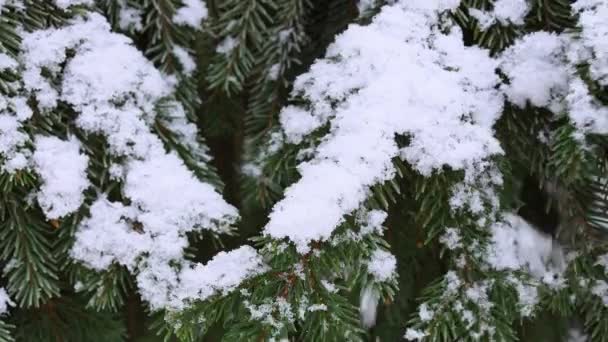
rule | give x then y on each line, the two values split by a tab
63	171
184	58
537	70
382	265
64	4
191	14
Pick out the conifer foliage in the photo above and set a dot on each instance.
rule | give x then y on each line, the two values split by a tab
424	170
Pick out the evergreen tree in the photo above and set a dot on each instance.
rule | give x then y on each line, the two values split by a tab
428	170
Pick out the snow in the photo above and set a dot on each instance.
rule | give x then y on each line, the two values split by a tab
187	62
535	66
129	17
191	13
415	335
13	112
518	245
511	10
297	122
504	12
179	200
542	69
64	4
63	173
7	62
5	301
119	68
116	92
221	274
371	221
165	209
365	5
227	45
587	113
274	314
451	238
594	35
382	265
425	313
372	85
368	306
600	289
116	242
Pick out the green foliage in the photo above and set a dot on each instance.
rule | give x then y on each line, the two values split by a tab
66	320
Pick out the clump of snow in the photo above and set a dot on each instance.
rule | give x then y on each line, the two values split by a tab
518	245
220	275
594	35
451	238
368	305
586	112
415	335
63	172
106	68
382	265
7	62
275	313
527	295
537	70
542	68
64	4
116	242
600	289
297	122
372	85
504	12
191	13
365	5
13	112
129	17
5	301
371	221
227	45
165	209
184	58
180	200
116	92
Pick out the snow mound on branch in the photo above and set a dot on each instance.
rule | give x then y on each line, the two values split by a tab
373	85
63	171
116	92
